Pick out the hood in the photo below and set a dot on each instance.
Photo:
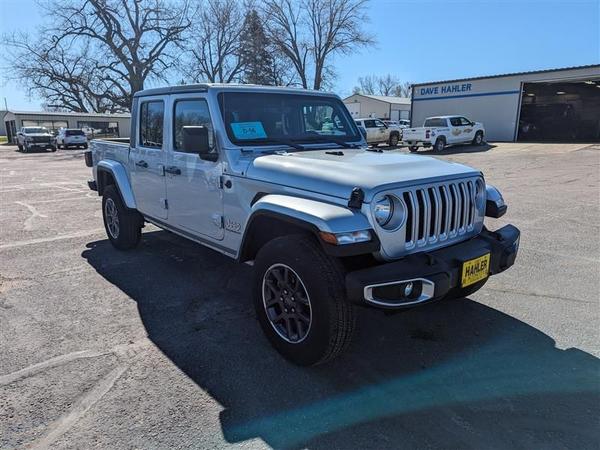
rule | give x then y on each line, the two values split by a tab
38	134
318	171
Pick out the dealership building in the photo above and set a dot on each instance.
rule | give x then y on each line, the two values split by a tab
560	105
379	106
100	125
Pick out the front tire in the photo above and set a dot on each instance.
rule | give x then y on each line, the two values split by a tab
300	301
394	138
123	226
413	148
478	139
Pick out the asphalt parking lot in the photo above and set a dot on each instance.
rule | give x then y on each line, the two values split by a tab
159	347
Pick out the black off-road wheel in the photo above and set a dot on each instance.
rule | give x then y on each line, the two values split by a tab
300	300
123	226
478	139
413	148
394	138
20	147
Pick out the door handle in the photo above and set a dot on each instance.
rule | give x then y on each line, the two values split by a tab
173	170
143	164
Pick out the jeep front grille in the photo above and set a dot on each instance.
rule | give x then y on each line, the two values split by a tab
41	139
439	212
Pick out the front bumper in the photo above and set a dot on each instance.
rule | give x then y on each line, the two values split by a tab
42	145
435	274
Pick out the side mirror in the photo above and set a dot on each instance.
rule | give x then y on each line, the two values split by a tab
195	140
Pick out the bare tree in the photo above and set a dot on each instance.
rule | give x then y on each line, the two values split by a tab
367	85
310	32
127	41
63	79
383	85
213	42
403	89
387	84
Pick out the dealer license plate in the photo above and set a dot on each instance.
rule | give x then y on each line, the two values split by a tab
475	270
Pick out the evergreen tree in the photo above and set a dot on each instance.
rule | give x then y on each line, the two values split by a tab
255	52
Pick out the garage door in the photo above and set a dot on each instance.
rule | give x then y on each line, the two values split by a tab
560	112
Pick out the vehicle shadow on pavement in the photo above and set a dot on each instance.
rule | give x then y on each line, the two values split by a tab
454	374
457	149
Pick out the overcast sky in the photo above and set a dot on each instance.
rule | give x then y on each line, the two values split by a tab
421	41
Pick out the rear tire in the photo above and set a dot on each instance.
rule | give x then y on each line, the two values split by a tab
440	144
413	148
321	325
123	226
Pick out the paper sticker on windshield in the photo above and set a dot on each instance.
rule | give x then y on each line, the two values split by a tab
248	130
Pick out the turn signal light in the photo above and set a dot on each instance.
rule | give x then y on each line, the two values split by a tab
353	237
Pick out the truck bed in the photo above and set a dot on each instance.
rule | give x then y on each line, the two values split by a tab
116	149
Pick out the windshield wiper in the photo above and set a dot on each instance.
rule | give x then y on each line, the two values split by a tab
284	142
326	139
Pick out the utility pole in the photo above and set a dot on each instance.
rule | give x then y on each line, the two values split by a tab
5	104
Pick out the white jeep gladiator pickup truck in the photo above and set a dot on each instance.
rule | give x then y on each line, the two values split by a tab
437	132
283	178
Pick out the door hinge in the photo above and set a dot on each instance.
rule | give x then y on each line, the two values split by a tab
165	203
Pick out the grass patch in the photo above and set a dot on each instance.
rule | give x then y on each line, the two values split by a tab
3	139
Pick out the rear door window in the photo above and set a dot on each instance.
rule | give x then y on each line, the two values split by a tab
435	122
370	124
151	124
456	122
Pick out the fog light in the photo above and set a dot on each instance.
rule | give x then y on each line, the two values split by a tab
408	289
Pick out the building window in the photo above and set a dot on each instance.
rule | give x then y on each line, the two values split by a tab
151	124
52	125
95	129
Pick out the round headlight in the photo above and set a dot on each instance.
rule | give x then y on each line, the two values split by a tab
383	210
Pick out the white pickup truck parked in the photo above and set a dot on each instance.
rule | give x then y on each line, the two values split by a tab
380	133
283	178
438	132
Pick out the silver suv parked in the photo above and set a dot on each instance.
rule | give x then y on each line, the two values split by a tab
282	178
71	137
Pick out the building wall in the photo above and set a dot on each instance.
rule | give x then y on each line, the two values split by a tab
70	120
369	107
361	106
2	126
493	101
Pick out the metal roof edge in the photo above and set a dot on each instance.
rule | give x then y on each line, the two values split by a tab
589	66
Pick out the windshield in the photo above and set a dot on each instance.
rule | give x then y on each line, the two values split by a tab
253	118
33	130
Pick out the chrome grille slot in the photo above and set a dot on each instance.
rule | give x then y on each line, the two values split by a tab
439	212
